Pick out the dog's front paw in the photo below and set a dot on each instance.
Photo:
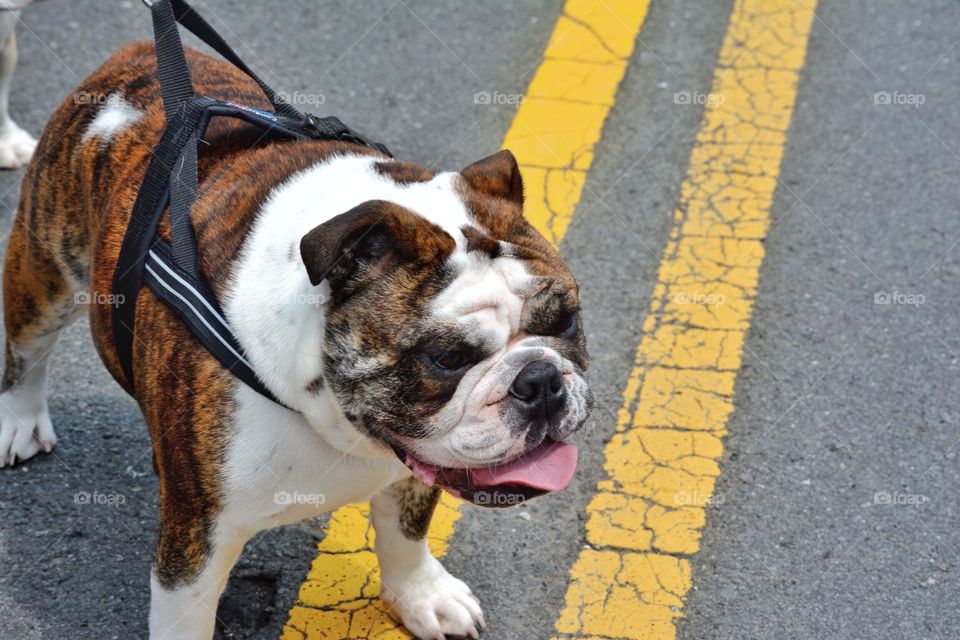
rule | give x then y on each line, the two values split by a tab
25	427
432	604
16	147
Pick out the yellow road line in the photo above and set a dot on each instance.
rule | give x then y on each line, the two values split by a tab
340	599
662	461
553	135
560	120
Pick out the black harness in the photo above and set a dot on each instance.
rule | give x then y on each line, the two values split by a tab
172	270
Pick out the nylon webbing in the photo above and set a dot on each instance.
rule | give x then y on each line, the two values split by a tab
173	272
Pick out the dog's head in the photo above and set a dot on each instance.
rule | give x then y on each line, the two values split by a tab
461	347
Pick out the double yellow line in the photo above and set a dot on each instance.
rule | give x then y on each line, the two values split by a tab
661	464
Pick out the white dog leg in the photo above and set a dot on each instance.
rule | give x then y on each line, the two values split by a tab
34	322
25	427
186	608
430	602
16	145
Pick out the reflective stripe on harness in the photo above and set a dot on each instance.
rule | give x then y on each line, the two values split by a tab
197	308
172	271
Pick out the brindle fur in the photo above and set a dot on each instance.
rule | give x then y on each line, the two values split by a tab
479	241
76	202
13	371
417	503
404	172
316	385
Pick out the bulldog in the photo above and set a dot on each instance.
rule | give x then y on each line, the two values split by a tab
417	331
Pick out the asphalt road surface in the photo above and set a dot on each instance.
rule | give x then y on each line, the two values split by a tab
835	512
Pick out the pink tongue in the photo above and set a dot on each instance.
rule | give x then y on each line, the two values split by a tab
549	467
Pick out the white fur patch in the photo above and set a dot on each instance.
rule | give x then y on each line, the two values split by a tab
271	305
115	115
279	470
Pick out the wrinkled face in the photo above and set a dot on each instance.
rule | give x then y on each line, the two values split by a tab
505	350
461	347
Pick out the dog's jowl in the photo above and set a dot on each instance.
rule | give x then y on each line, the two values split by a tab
419	333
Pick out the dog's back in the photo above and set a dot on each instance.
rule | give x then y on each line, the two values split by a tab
80	189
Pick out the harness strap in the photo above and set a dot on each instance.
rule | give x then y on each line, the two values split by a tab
172	271
176	85
166	15
193	302
141	230
183	193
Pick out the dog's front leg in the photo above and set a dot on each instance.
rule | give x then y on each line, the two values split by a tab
190	572
16	145
430	602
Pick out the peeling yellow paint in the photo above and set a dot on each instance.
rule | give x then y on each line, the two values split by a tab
661	463
340	598
560	121
624	595
552	135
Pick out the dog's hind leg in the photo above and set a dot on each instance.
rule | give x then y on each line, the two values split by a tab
44	273
187	581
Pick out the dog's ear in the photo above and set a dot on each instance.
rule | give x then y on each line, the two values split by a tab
498	176
367	241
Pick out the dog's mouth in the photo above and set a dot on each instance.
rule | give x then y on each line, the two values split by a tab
544	469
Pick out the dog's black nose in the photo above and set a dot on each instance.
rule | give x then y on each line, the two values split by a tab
539	390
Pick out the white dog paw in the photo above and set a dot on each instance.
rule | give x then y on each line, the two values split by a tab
16	147
25	427
432	604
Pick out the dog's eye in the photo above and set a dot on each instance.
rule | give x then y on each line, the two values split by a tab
568	323
449	360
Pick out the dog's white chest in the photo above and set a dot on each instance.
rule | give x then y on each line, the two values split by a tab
280	470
